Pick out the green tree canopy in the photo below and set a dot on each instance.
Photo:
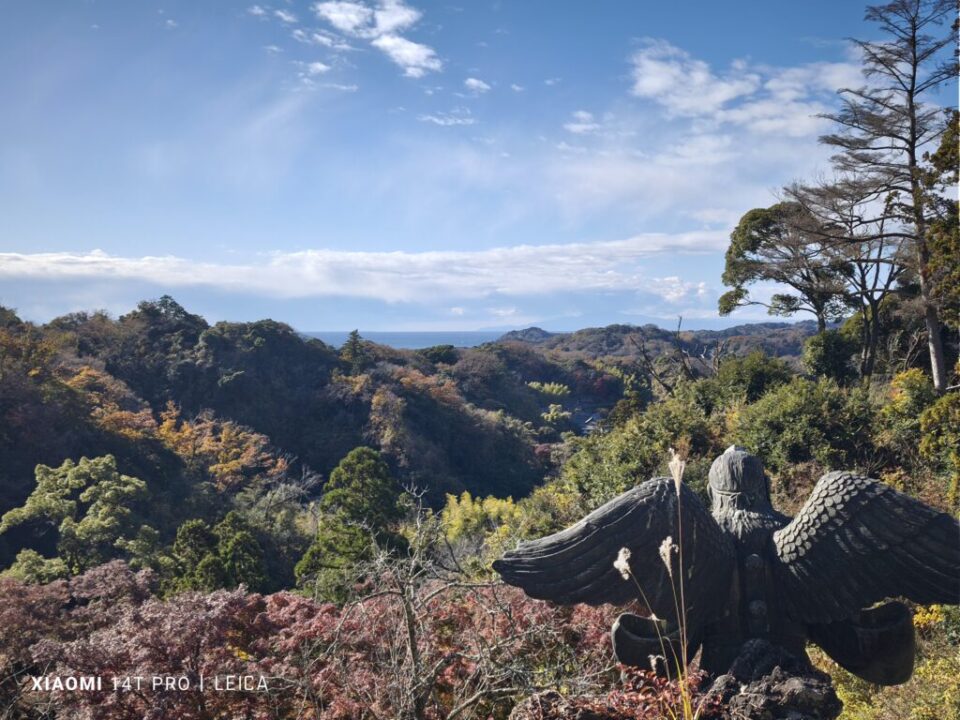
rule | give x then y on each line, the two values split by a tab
779	244
944	229
91	506
224	556
807	420
361	508
362	490
750	377
828	354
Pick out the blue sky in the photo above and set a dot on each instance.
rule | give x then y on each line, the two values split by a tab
398	165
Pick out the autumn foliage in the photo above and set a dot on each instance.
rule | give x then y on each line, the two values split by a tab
477	649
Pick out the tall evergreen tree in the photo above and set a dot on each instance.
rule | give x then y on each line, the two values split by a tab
353	353
361	508
886	124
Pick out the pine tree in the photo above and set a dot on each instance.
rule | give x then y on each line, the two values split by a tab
886	125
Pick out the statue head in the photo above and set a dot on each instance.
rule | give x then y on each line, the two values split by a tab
737	481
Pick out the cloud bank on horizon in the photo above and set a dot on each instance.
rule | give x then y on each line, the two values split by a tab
428	279
403	165
393	277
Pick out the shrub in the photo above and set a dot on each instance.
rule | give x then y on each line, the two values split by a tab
940	443
551	389
809	420
741	380
911	393
829	354
446	354
606	465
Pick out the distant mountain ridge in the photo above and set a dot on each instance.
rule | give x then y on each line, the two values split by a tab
778	339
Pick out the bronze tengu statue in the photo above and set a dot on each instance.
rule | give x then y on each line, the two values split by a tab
750	572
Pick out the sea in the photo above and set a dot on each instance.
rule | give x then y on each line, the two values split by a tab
413	340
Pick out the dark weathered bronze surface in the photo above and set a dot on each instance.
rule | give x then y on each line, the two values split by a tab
750	572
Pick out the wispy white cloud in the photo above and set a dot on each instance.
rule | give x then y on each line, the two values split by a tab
524	270
347	17
316	68
798	82
322	38
773	116
310	71
745	128
393	16
457	116
678	177
381	26
683	84
675	290
671	297
763	99
583	122
285	16
342	87
517	88
476	85
415	59
362	20
257	10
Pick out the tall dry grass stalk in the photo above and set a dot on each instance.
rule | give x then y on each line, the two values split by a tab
667	549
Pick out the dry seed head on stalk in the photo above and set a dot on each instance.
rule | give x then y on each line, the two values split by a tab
667	548
677	466
622	563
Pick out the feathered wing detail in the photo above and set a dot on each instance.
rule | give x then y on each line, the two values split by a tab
857	541
576	565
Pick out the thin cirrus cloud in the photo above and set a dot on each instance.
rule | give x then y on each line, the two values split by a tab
321	38
702	142
382	26
456	117
523	270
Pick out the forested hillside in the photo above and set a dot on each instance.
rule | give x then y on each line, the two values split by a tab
244	455
486	420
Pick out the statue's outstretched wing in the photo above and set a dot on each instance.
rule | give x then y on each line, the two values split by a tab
576	565
858	541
